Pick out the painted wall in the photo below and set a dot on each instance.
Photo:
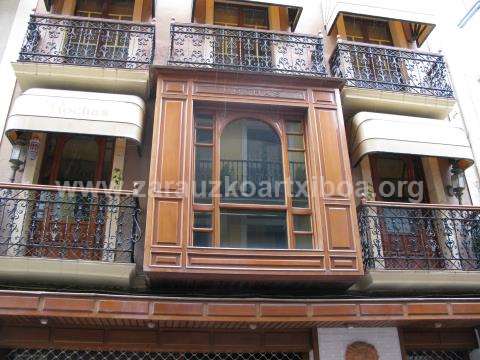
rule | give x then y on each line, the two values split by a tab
8	9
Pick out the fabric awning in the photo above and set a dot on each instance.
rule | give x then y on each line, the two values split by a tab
375	132
77	112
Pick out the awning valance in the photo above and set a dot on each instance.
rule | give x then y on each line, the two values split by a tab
375	132
77	112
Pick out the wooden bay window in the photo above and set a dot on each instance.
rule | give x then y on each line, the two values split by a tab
243	166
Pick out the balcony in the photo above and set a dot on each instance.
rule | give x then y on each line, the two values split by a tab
246	50
392	80
420	246
66	235
85	53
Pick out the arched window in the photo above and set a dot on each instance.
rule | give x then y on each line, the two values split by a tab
243	168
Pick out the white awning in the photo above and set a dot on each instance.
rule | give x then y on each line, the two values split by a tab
386	133
77	112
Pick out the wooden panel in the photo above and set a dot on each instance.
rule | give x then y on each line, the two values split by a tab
174	87
171	150
131	337
334	310
185	309
59	304
18	302
166	223
238	310
160	258
127	307
254	259
324	97
427	309
333	162
181	339
283	310
343	263
339	225
68	336
381	309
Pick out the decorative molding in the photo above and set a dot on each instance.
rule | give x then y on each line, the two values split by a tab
256	91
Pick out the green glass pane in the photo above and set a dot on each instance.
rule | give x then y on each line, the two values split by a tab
204	136
253	229
295	141
303	241
203	174
202	220
204	120
294	127
302	223
202	239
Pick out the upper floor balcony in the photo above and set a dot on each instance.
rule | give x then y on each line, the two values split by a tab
420	247
392	80
246	50
86	54
67	236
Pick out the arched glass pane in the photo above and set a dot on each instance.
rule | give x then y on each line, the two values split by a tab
78	163
251	168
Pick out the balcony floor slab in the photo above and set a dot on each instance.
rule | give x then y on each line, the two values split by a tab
84	78
355	100
418	281
66	272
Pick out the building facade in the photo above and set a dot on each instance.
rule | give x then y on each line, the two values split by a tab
216	179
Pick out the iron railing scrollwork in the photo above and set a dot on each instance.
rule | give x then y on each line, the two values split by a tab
88	42
226	48
419	237
85	224
393	69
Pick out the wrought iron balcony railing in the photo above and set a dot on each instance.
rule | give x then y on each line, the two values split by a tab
393	69
239	49
88	42
403	236
68	223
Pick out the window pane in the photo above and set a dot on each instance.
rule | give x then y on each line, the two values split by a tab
302	223
295	141
253	229
251	167
203	174
202	220
204	136
203	239
303	241
204	120
294	127
298	176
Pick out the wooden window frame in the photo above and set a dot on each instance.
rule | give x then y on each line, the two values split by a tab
278	124
62	140
106	4
364	22
241	16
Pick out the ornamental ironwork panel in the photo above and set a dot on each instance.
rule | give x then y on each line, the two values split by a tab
392	69
216	47
419	237
68	224
53	354
438	355
88	42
